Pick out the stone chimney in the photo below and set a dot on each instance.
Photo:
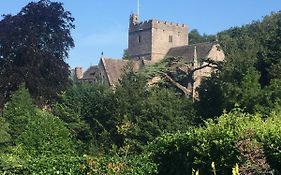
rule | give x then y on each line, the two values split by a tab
78	73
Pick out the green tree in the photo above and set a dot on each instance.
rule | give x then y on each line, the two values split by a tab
4	135
33	46
126	55
19	111
144	112
87	111
211	99
195	37
269	63
250	74
45	135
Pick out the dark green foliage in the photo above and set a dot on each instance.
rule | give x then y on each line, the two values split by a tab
250	72
115	125
33	46
19	111
130	116
195	37
4	135
87	111
126	55
269	62
211	98
147	113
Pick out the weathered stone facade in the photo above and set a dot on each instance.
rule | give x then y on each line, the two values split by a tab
149	42
152	39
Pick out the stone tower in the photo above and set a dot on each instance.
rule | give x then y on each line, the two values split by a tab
152	39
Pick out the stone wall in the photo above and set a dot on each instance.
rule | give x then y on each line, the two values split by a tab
166	35
152	39
140	41
78	73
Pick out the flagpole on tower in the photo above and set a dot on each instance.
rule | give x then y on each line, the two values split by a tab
138	7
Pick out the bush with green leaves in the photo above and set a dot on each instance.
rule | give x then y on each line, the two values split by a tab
131	114
12	164
44	147
86	109
45	135
218	141
18	111
65	164
4	135
116	164
147	112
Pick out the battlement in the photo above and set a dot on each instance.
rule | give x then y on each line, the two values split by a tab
144	25
149	24
152	39
170	24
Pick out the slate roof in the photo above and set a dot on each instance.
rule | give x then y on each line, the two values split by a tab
187	52
115	68
90	72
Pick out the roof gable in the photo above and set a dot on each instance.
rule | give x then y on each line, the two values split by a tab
114	68
90	72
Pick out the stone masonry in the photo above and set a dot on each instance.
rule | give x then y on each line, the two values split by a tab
148	43
151	40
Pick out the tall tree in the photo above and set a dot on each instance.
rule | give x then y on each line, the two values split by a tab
18	111
87	111
33	46
195	37
250	77
269	63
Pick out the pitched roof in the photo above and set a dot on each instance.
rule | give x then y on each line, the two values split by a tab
187	52
114	68
90	72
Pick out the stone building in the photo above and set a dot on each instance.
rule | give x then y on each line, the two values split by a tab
149	42
108	71
194	56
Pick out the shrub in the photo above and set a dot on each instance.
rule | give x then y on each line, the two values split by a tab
4	135
45	135
218	141
112	165
18	111
65	164
86	109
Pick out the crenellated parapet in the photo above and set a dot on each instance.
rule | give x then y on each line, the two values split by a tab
152	39
149	24
164	25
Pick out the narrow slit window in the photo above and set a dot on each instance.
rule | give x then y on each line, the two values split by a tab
139	39
170	38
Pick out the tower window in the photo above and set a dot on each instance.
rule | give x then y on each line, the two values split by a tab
170	38
139	39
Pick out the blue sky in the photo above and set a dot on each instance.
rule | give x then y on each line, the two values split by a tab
101	25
